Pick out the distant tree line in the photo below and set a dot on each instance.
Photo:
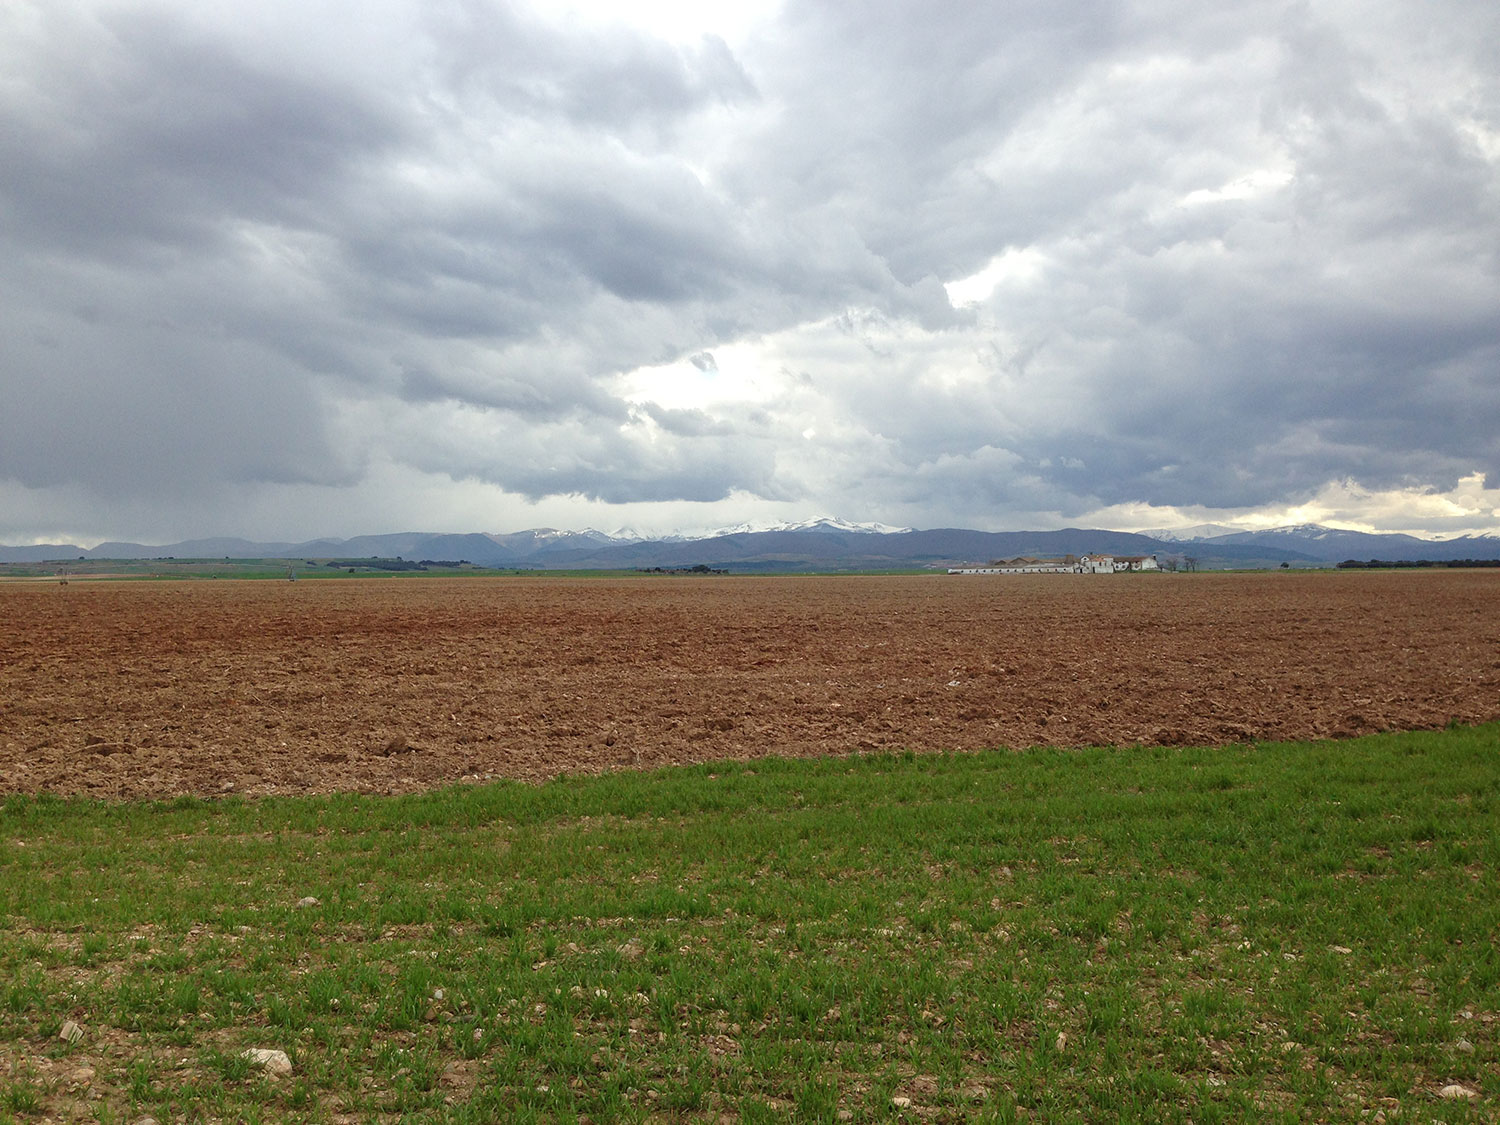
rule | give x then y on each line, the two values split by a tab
1414	564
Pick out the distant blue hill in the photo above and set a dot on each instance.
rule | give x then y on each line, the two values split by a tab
1330	544
820	545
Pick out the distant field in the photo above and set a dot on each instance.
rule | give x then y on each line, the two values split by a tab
1268	933
87	570
143	690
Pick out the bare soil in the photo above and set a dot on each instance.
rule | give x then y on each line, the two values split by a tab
144	690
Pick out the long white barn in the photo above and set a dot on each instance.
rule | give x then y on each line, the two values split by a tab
1083	564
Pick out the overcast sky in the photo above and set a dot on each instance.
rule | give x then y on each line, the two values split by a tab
297	268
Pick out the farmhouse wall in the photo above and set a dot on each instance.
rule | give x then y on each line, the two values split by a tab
1084	564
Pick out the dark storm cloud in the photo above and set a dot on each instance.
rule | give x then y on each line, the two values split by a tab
705	461
687	423
131	410
284	229
1236	352
609	81
889	108
537	402
132	134
1251	250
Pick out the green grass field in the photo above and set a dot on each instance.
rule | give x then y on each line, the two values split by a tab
1251	933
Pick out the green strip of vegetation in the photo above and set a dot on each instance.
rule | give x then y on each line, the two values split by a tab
173	568
323	569
1252	933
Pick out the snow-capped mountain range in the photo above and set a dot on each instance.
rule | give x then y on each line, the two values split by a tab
823	543
1334	544
1190	534
756	527
759	527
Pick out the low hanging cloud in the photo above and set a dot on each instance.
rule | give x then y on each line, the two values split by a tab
959	265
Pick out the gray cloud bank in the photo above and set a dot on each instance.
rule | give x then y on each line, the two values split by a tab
291	257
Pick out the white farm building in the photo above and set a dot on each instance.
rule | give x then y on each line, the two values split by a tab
1082	564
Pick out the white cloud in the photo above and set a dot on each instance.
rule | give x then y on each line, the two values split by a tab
1248	186
1469	508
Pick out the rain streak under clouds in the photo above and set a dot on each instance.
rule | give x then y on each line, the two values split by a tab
298	268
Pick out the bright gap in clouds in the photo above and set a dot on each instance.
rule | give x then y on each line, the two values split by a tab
737	373
1013	265
1246	187
1467	509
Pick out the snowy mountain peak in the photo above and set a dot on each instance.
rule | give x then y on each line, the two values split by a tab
830	523
553	535
632	535
1188	534
1305	530
1198	532
820	523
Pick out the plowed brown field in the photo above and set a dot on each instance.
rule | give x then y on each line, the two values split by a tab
153	689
